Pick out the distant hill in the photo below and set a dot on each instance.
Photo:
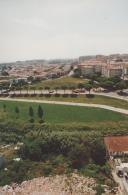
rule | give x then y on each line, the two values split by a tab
104	58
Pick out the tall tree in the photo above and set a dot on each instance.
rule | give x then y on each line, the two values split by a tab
64	87
17	111
31	113
47	88
88	87
41	89
80	85
33	88
26	88
40	112
56	89
4	107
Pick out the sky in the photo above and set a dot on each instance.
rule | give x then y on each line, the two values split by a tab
47	29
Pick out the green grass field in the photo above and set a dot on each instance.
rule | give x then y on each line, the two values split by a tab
59	113
68	81
97	99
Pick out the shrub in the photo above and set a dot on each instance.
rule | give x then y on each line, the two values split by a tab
65	95
31	120
74	95
99	190
90	95
57	95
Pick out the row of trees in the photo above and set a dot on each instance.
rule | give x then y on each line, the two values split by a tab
113	83
31	113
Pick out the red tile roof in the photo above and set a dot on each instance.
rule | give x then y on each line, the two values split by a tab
116	143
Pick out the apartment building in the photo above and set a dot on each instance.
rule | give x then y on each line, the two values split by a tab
112	70
91	67
107	69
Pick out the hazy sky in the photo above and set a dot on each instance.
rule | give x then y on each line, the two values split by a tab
32	29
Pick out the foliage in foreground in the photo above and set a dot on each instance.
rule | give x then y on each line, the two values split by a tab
55	149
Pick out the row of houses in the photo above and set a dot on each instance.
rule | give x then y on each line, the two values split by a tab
107	69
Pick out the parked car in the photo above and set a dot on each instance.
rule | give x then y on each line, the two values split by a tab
126	175
120	173
6	91
75	91
52	91
79	91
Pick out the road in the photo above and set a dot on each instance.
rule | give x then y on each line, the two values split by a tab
123	187
120	110
109	94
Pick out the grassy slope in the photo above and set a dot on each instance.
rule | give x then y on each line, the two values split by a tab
61	113
68	81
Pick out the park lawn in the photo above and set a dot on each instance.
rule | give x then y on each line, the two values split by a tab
67	81
97	99
59	114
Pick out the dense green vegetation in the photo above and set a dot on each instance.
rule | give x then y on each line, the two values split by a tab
64	81
69	138
55	149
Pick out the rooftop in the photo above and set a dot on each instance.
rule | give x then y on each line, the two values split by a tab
116	143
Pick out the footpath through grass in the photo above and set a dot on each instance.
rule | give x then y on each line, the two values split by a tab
59	113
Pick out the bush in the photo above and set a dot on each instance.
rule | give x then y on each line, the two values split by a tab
65	95
2	162
57	95
47	169
48	95
99	190
33	95
41	95
74	95
41	121
90	95
31	120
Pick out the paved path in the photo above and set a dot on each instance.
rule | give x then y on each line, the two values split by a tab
120	110
112	95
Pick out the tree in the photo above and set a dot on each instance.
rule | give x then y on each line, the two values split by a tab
64	87
4	107
4	73
99	189
72	88
121	85
1	87
88	87
57	88
97	149
80	85
108	84
33	88
77	72
40	113
31	114
13	88
17	111
30	79
41	89
19	88
26	88
47	88
79	155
